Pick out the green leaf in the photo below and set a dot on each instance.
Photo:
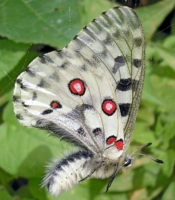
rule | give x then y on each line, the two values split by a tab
168	158
168	132
152	16
167	55
52	22
169	42
10	55
121	196
36	190
142	133
149	93
169	193
5	196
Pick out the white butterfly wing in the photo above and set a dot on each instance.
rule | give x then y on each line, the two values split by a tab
116	38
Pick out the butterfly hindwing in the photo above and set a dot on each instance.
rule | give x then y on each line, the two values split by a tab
47	100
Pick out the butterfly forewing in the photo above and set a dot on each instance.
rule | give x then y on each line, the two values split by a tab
116	38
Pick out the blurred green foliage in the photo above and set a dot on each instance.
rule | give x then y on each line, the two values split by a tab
24	152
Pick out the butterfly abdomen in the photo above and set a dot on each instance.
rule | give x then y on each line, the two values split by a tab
76	167
67	172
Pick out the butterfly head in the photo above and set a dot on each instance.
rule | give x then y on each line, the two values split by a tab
128	161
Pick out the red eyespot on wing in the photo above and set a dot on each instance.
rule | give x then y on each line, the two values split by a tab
109	107
110	140
55	104
77	87
119	144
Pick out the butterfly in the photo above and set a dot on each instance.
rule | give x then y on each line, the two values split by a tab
87	94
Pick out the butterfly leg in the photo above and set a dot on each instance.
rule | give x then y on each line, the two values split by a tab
112	178
97	167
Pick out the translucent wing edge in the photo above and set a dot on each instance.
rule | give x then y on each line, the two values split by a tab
137	98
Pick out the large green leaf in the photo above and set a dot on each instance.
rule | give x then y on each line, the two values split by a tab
50	22
152	16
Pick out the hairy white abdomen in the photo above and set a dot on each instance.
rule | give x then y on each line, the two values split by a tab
71	170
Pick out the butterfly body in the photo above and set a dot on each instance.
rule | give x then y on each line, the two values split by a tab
87	94
78	166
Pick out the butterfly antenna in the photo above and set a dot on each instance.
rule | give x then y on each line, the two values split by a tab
152	158
142	147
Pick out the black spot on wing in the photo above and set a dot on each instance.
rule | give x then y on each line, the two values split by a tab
81	131
117	35
48	111
83	68
124	84
30	71
41	59
16	99
126	33
75	37
39	123
18	81
64	65
127	84
97	131
85	27
107	40
124	109
67	54
115	69
43	84
48	59
120	61
138	41
91	62
96	59
103	54
25	105
87	106
19	117
55	77
58	53
137	63
23	86
34	96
